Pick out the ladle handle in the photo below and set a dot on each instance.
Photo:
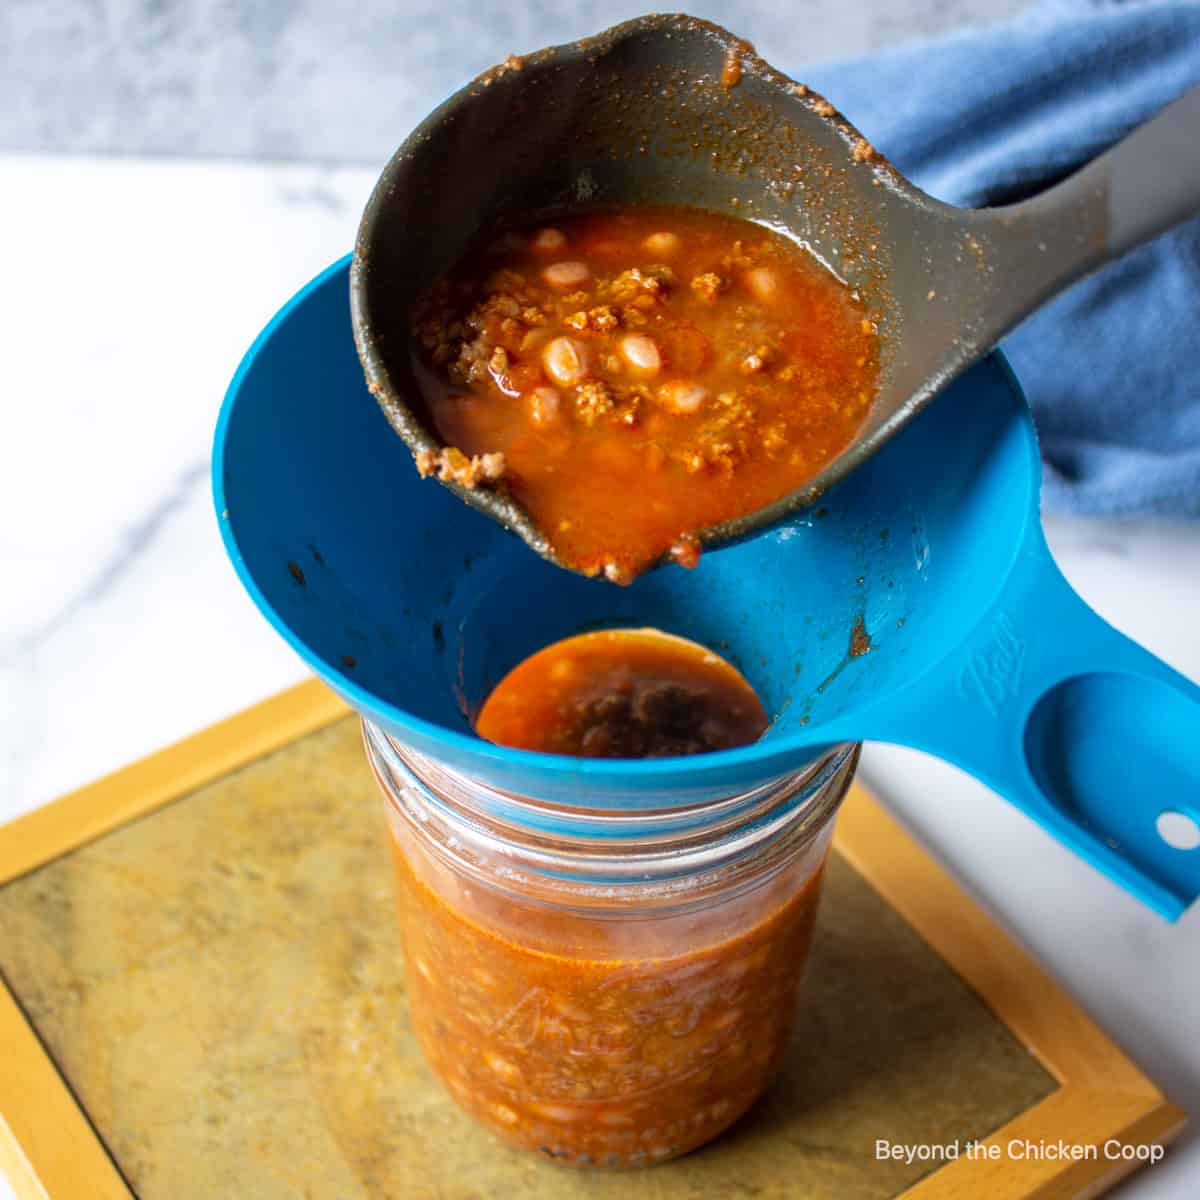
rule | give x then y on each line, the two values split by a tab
1144	185
1076	724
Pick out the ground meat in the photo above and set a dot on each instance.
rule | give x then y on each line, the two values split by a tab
709	286
475	339
601	319
594	400
686	552
653	720
615	573
724	438
628	413
737	258
451	465
756	359
508	285
774	439
636	285
864	151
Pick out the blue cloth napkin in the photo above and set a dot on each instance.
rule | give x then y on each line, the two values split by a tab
991	116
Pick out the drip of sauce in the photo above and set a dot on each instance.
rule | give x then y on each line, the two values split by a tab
860	639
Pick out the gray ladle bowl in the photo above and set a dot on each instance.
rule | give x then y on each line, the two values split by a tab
639	114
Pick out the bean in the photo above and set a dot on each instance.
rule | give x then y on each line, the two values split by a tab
682	395
566	276
686	552
763	284
566	361
549	241
663	244
641	353
545	405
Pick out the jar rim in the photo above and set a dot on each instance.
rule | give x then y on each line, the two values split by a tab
609	849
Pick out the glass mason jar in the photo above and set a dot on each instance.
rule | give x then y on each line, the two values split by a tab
606	989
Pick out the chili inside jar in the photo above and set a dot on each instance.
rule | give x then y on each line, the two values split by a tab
605	988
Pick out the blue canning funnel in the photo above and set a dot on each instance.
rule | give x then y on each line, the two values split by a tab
412	606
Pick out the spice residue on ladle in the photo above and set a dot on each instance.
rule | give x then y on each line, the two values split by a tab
635	376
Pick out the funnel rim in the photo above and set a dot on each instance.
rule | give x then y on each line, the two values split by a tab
761	756
369	703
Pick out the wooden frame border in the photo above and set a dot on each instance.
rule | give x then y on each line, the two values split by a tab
50	1151
1102	1096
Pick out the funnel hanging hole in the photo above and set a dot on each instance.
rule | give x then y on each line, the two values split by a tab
1111	750
1178	830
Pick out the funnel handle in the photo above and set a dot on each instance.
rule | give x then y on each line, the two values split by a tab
1144	185
1090	734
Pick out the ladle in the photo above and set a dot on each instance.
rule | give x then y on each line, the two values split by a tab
644	112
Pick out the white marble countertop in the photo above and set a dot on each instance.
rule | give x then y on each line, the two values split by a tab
130	290
309	81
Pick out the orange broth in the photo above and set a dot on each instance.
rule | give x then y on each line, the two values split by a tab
636	375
